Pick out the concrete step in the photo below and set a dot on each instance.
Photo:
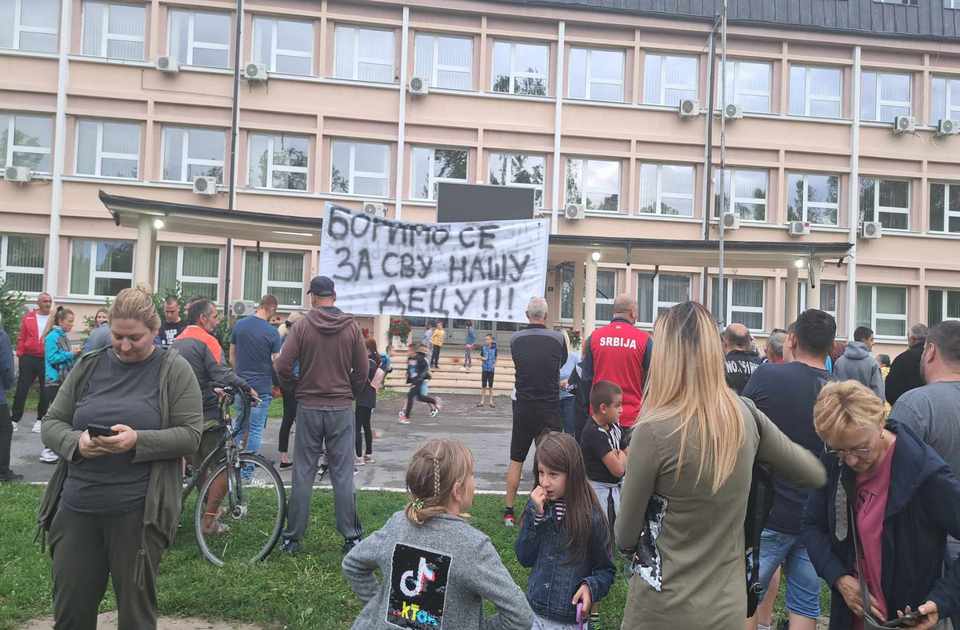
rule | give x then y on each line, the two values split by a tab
454	362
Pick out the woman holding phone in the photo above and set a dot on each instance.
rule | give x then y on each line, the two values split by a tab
122	420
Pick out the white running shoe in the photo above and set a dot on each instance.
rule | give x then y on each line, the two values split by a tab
435	412
16	427
47	456
36	427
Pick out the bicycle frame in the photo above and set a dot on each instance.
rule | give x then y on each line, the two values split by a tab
227	449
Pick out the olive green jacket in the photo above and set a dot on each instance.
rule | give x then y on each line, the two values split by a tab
181	423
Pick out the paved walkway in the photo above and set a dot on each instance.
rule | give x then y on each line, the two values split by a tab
486	431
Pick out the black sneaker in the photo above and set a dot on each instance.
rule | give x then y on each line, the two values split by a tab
348	544
322	472
10	476
290	546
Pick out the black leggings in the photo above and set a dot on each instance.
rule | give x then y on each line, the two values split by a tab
289	415
414	394
435	357
363	423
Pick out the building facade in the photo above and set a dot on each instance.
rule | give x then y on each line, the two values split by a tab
376	102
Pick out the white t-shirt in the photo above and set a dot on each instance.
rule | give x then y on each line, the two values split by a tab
41	323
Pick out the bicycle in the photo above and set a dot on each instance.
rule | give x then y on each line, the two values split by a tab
246	489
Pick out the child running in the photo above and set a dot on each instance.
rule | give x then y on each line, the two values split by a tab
488	354
437	570
604	446
564	537
418	373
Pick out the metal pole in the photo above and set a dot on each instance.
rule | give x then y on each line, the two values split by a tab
723	153
853	217
234	141
708	150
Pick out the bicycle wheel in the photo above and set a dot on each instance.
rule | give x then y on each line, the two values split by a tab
240	512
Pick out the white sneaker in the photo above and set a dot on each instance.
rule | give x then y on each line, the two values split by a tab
47	456
16	427
36	427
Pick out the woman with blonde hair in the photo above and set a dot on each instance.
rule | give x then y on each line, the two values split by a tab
689	469
884	514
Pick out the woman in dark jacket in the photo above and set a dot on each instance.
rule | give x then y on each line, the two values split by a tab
905	502
366	403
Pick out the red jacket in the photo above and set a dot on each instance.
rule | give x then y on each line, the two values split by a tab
620	353
30	342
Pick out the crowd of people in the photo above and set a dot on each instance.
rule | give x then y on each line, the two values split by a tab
648	446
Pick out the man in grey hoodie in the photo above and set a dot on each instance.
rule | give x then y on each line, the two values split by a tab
333	371
858	364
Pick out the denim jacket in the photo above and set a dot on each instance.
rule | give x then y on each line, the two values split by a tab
554	581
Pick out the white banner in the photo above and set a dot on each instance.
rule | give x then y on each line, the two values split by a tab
484	270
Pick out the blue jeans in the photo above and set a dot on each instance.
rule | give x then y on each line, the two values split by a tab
803	583
258	421
567	412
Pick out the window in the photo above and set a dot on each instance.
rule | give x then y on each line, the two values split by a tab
25	141
108	149
884	96
745	193
190	152
21	262
945	98
945	208
114	31
951	4
606	292
443	61
744	302
29	25
360	168
363	54
519	170
666	189
667	80
567	274
277	273
814	198
520	68
942	304
748	85
195	269
198	38
886	201
596	75
816	91
279	161
658	293
828	298
100	268
432	166
284	46
594	184
884	309
911	3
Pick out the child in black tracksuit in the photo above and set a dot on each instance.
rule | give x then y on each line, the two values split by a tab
418	372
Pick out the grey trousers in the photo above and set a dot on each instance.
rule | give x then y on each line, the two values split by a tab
88	548
335	427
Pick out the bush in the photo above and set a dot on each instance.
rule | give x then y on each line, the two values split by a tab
13	305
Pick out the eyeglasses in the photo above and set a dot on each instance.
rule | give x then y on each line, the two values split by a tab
859	452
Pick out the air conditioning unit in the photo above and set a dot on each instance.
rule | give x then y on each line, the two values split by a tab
688	108
205	185
167	64
871	229
374	209
242	308
419	87
255	72
904	124
20	174
732	111
947	127
730	221
574	212
798	228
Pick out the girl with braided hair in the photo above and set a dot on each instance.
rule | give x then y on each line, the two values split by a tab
437	569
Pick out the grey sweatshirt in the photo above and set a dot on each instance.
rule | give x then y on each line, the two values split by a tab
435	575
859	365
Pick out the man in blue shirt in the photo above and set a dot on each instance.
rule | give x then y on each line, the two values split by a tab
253	347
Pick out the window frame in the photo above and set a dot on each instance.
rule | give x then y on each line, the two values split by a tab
802	297
6	268
285	52
100	155
734	200
107	36
877	208
515	74
271	167
265	282
944	305
809	97
353	173
19	28
948	106
432	179
660	194
185	160
661	97
656	302
94	274
880	103
598	301
183	279
948	214
192	42
7	160
806	204
588	75
358	58
536	187
584	163
436	67
729	307
737	92
887	316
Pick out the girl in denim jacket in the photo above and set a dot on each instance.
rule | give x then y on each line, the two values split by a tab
564	537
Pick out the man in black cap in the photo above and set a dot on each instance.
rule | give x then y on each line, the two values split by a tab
333	370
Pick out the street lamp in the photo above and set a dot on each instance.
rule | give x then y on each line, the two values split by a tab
595	256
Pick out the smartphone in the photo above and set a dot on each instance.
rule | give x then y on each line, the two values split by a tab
100	430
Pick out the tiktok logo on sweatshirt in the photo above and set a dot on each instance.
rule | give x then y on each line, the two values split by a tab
418	588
